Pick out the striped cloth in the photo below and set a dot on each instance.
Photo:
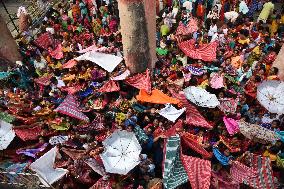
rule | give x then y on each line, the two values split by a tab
264	178
191	27
190	141
240	172
140	81
198	171
193	117
70	107
174	173
205	52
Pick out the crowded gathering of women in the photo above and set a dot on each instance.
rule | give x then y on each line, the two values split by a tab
209	114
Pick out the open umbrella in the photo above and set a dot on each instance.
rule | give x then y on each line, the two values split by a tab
201	97
270	94
121	153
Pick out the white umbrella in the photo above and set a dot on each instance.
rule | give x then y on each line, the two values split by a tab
122	151
201	97
270	94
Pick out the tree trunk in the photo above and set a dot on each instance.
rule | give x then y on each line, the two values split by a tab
138	29
9	52
279	63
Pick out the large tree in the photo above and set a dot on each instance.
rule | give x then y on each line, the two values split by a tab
9	52
138	29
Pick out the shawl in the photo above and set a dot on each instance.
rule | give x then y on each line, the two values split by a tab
173	130
224	160
44	167
217	81
228	105
58	139
140	134
32	152
190	141
157	97
6	134
193	116
231	125
6	117
45	80
44	40
140	81
257	133
122	76
110	86
226	142
73	153
264	175
70	107
28	133
241	172
70	64
195	71
57	53
174	173
280	134
205	52
198	171
191	27
171	113
102	184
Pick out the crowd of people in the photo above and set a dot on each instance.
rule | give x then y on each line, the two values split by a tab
224	49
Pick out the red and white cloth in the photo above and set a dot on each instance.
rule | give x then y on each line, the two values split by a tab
191	27
241	172
198	171
193	117
70	107
140	81
205	52
45	40
109	86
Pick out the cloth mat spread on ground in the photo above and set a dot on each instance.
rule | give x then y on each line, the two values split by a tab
106	61
193	117
198	171
257	133
156	97
205	52
70	107
44	168
6	134
140	81
174	173
171	113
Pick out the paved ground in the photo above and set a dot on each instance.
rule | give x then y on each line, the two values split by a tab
12	6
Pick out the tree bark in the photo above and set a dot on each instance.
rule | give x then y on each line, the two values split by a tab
138	29
9	52
279	63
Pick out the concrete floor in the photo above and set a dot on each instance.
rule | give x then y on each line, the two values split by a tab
12	7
